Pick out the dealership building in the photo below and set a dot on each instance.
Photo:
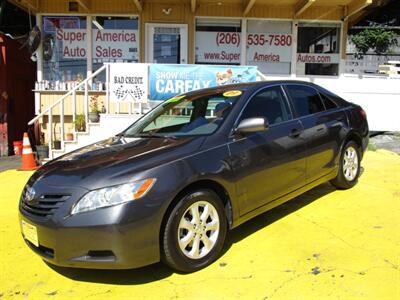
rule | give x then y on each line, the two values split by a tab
290	39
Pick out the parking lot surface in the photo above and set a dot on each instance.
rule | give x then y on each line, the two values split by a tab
325	244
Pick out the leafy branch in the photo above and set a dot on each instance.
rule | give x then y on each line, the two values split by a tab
377	39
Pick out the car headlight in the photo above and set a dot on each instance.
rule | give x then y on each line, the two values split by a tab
113	195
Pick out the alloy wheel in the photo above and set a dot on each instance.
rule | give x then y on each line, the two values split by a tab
350	164
198	230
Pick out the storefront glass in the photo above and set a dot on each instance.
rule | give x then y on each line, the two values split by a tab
318	49
64	48
114	39
269	46
218	41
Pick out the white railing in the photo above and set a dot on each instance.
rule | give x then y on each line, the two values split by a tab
60	103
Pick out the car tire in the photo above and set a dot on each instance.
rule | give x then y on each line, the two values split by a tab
191	240
349	167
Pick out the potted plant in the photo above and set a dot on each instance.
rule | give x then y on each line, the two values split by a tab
69	136
42	150
80	122
56	142
94	113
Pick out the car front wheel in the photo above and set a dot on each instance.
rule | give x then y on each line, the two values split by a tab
349	167
195	231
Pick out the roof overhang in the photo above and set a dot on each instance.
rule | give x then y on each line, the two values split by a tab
351	8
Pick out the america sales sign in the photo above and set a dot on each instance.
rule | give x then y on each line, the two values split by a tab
115	44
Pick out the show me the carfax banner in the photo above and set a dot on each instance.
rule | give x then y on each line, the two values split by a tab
167	81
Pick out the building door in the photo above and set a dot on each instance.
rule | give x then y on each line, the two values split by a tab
166	43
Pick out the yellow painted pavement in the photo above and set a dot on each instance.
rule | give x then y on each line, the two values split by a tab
326	244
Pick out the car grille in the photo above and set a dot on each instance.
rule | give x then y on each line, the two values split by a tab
43	206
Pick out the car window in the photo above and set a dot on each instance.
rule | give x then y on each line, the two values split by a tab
305	99
333	97
198	113
329	104
270	103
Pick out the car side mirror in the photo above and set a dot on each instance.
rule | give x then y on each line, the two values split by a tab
258	124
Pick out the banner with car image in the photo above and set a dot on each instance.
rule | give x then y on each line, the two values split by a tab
167	81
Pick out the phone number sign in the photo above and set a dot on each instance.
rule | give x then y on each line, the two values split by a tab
225	47
269	47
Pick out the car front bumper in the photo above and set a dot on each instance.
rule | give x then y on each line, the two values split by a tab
120	237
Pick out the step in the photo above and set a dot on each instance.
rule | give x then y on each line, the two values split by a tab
109	125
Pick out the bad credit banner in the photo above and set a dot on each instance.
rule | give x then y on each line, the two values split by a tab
167	81
128	82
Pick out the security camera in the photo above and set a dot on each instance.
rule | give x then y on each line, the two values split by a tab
34	57
167	11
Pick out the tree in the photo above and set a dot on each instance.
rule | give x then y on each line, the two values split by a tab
377	39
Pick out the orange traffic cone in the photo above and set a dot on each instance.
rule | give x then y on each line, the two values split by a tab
28	160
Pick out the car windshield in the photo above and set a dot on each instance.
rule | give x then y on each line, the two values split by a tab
191	115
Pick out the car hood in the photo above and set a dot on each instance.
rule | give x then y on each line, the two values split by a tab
113	161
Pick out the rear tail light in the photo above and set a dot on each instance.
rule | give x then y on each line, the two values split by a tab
363	114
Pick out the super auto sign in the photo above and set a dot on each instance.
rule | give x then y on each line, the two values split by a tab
224	47
107	43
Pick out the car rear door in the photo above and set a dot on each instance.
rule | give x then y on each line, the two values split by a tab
268	164
324	128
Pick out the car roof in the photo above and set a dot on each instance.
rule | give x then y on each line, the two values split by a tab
247	86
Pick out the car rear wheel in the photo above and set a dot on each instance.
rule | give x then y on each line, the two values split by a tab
195	231
349	168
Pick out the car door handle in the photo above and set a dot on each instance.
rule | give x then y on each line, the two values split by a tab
340	118
295	132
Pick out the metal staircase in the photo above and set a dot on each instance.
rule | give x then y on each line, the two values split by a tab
109	125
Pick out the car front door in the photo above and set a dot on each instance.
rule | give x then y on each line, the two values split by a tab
323	124
268	164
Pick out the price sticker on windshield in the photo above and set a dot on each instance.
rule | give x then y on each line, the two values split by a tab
233	93
175	99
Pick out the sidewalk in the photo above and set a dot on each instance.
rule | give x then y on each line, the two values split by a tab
9	162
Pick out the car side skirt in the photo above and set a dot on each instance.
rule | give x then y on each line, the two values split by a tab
284	199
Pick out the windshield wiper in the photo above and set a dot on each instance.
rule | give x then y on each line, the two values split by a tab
150	135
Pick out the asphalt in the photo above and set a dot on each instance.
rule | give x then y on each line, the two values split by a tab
9	162
325	244
388	140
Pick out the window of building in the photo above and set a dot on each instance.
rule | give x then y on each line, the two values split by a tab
218	41
64	48
306	100
318	49
269	103
115	39
269	46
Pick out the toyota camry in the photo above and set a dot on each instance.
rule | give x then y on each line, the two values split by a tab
173	184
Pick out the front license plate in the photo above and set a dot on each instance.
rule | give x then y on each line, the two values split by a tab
30	233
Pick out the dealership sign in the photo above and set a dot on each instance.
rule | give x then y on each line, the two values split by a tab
218	47
128	82
224	47
167	81
269	47
116	44
318	58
